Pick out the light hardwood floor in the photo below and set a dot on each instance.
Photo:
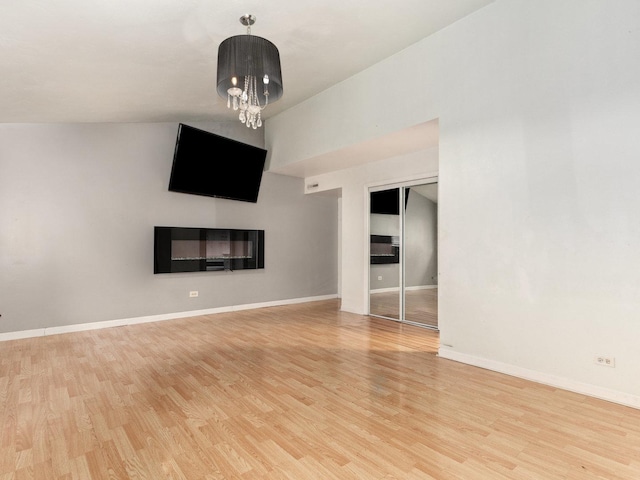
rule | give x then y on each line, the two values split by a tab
295	392
421	306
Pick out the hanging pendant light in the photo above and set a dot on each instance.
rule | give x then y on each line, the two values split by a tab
249	75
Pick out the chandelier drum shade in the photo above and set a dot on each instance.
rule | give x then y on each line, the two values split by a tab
249	74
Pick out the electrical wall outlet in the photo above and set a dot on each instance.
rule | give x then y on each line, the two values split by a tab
605	360
379	277
193	293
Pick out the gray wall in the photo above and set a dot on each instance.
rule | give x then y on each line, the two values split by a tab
78	204
421	247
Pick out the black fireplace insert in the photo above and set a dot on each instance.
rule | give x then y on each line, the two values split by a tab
179	249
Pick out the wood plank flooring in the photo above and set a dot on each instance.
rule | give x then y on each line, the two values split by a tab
421	306
294	392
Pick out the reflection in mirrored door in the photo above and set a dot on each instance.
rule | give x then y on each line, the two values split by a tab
421	255
403	247
384	268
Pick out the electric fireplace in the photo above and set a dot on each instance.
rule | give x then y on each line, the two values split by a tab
179	249
384	249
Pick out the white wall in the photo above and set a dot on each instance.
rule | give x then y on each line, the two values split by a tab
538	105
78	204
539	179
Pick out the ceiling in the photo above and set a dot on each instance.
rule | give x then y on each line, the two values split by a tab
155	60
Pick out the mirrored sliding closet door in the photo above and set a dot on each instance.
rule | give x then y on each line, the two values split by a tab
403	267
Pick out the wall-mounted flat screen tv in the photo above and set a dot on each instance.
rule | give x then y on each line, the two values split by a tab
214	166
387	202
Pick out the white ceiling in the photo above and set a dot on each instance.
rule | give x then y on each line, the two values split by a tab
155	60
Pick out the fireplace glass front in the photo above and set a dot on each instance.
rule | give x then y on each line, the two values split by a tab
179	249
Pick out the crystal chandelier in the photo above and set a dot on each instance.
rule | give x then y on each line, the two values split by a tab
249	74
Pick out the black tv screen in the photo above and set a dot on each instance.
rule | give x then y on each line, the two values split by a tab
387	202
207	164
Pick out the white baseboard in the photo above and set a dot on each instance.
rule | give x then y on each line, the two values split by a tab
420	287
590	390
385	290
79	327
38	332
